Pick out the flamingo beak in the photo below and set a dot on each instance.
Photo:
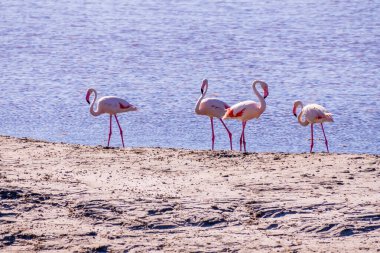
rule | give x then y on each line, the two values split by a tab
266	93
204	83
88	97
294	112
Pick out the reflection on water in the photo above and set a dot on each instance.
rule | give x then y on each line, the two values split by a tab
156	54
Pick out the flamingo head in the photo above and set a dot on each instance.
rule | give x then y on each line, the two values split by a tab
89	91
204	86
264	85
295	105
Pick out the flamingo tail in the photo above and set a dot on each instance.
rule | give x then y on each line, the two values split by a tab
229	113
328	117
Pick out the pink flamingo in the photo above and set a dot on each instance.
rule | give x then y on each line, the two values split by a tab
313	114
248	110
110	105
212	107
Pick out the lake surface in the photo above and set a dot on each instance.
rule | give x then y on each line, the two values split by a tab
156	53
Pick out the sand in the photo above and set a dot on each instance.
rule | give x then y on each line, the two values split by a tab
70	198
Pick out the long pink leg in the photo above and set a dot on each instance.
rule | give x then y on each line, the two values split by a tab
229	133
242	137
213	135
327	144
121	130
312	138
245	147
110	132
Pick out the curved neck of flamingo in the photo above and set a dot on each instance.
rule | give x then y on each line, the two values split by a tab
197	111
305	122
92	111
261	98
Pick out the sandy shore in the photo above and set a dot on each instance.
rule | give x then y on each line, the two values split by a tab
67	198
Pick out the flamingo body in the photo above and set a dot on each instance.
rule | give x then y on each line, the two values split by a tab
248	110
244	111
112	106
313	114
316	114
213	108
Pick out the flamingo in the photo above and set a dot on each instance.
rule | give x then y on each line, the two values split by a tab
313	114
110	105
212	107
248	110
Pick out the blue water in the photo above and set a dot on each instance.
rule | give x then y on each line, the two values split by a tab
156	53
